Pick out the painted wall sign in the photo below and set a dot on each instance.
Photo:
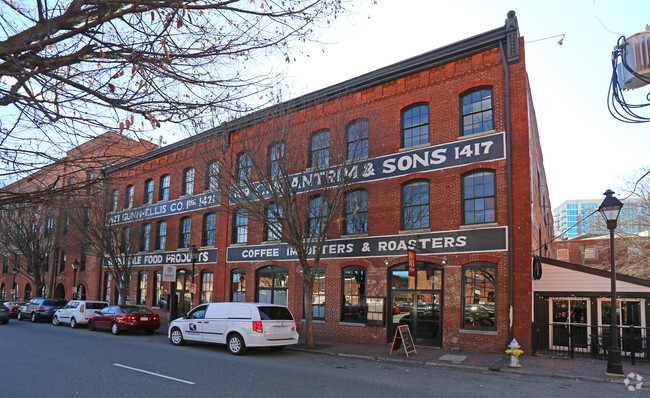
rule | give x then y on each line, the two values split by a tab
448	242
454	154
174	258
202	201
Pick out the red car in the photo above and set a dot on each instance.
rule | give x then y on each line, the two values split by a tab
118	318
13	307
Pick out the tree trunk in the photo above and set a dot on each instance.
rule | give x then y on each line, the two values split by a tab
308	289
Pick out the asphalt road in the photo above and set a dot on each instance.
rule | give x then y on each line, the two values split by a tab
41	360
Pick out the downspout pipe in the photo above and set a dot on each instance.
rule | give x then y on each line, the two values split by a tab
510	206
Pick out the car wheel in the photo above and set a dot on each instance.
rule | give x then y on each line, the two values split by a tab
277	348
19	316
55	321
91	326
236	344
73	323
6	321
176	337
34	317
115	329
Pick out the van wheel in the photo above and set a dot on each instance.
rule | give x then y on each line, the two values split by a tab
73	323
33	317
236	344
115	329
55	321
176	337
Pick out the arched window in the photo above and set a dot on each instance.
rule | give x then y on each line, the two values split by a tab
146	237
240	227
357	132
212	177
272	285
477	111
161	235
163	188
128	197
148	192
142	288
209	229
318	295
185	232
479	197
81	292
273	225
479	295
415	125
319	149
354	294
244	167
28	292
238	285
158	290
188	181
356	212
415	205
3	291
207	282
276	156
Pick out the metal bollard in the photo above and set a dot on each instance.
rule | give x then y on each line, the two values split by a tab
514	352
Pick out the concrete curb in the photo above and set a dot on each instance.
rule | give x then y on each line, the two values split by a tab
471	368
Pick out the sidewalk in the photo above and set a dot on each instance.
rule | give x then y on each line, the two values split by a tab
579	368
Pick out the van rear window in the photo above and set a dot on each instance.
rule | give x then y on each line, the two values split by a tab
95	306
275	314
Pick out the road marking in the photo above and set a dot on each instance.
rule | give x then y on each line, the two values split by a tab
154	374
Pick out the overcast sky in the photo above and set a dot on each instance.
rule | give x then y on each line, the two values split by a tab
586	150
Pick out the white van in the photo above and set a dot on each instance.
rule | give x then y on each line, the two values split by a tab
77	312
238	325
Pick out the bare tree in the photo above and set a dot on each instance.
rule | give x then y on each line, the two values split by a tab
29	233
298	195
116	244
72	69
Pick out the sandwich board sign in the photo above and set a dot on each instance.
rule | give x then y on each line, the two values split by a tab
403	336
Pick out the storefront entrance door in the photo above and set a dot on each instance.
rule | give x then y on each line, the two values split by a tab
182	299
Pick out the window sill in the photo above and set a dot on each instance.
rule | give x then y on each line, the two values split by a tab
238	244
476	331
352	324
481	134
413	231
354	235
479	226
270	242
319	321
428	144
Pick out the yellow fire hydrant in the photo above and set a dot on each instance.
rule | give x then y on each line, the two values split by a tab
514	352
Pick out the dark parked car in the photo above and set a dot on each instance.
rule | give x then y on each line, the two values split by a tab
118	318
4	314
13	307
40	309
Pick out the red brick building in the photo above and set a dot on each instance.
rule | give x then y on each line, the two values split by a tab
50	191
450	133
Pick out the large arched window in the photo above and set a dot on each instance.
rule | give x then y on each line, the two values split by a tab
415	125
319	149
356	212
415	205
185	232
272	285
357	132
479	197
354	294
148	192
479	295
209	229
188	181
276	157
238	285
163	188
477	111
207	282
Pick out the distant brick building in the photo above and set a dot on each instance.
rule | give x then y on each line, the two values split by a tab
450	134
51	188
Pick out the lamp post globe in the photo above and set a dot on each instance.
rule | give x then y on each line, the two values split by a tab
610	210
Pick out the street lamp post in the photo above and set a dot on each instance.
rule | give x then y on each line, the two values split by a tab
610	209
75	266
15	272
194	253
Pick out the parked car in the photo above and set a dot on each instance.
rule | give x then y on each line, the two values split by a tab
40	309
13	307
77	312
4	314
118	318
238	325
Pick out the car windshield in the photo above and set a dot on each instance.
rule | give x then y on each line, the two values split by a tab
132	309
275	314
